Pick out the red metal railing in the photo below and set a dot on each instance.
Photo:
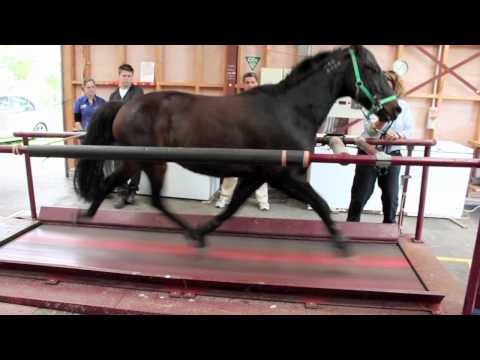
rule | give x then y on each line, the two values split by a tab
471	297
410	143
28	165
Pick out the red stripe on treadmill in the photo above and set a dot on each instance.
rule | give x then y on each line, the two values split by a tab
69	240
292	257
272	256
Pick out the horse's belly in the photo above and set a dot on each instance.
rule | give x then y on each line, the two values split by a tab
219	170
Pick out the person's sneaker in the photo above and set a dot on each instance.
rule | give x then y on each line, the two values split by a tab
130	198
222	202
119	202
264	206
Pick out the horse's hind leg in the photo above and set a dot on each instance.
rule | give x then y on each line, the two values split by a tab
302	191
244	189
156	175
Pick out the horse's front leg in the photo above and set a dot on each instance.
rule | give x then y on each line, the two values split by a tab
302	191
156	174
245	188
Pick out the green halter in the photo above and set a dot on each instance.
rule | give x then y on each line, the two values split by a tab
377	104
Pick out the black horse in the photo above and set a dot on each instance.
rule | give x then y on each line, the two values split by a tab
282	116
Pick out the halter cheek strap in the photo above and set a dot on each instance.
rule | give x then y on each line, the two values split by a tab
377	104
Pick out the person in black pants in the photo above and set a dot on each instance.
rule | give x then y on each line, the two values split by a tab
363	187
388	178
126	91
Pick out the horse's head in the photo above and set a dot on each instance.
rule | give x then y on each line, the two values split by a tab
367	84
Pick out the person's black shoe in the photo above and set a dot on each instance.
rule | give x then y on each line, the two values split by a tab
119	202
130	198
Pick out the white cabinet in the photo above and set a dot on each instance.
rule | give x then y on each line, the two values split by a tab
183	184
446	188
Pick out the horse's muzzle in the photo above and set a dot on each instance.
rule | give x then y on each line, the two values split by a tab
389	112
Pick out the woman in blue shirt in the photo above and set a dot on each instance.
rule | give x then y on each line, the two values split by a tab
86	105
367	175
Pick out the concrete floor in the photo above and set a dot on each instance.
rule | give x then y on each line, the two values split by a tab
447	240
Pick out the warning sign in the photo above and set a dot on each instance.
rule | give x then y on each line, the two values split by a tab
252	61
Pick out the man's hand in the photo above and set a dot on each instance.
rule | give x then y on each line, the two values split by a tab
392	135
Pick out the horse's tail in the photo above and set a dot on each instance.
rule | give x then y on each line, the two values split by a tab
89	177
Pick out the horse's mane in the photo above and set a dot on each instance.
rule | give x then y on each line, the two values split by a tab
300	72
305	68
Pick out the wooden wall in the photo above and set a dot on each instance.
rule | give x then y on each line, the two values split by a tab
201	69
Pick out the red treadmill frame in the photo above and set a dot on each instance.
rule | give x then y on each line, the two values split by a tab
19	277
76	289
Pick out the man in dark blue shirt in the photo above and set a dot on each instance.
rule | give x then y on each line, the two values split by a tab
85	106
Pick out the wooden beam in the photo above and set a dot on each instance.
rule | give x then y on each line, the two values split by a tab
121	54
86	71
231	69
421	96
461	98
124	54
444	97
441	83
450	70
266	55
179	85
399	52
437	93
113	83
198	66
68	70
158	67
239	65
477	126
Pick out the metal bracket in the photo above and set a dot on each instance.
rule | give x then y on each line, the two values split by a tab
52	281
383	160
404	179
312	305
182	294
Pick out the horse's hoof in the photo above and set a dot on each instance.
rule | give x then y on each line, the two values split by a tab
342	246
197	239
80	215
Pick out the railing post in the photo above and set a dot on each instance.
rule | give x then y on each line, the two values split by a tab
423	196
471	296
405	178
31	192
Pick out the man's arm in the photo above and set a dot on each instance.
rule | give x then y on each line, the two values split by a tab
77	115
407	129
113	96
77	125
138	92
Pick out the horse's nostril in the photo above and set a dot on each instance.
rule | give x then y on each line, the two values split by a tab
398	109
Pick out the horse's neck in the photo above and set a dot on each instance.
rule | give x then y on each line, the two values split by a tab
317	95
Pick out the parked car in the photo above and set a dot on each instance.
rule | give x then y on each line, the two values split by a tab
18	113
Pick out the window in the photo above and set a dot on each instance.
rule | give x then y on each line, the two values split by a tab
4	103
21	104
